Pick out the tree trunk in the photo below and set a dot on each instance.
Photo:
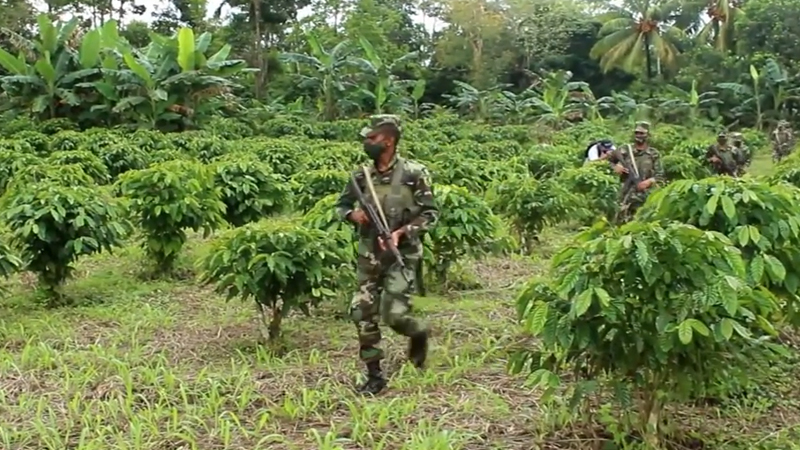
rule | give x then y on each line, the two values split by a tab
258	39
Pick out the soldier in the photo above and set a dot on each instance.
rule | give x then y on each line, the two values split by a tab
722	157
640	168
782	141
384	289
741	152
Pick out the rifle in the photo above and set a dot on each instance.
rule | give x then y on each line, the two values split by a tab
377	218
630	184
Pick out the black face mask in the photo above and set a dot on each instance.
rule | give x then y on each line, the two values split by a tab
640	139
374	150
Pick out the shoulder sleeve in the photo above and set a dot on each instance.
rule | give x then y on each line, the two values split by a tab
658	167
423	197
349	196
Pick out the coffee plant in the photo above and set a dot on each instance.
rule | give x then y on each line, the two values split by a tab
281	265
466	226
169	198
661	308
249	189
762	220
89	163
54	225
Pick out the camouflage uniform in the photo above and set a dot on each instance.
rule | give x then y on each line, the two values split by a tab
384	291
782	141
727	164
647	162
742	153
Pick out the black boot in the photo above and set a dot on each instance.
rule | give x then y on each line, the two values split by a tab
418	349
375	381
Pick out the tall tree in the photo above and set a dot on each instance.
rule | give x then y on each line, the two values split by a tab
640	32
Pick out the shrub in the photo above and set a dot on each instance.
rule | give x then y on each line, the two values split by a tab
281	265
11	163
169	198
532	204
65	141
761	219
311	186
548	162
121	157
660	308
89	163
466	226
598	188
39	142
66	175
249	189
54	225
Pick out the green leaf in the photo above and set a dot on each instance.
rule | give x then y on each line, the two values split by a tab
744	236
582	303
138	69
699	327
711	205
728	207
221	56
726	327
775	268
685	332
186	49
602	295
89	54
12	64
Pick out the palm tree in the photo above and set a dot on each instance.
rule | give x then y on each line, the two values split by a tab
636	32
721	26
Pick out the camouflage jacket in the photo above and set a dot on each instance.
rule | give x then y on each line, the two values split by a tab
783	138
647	163
727	156
743	156
414	208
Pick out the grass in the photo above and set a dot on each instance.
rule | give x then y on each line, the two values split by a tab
169	365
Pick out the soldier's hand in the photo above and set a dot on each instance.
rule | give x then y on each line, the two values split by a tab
644	185
714	159
620	169
396	235
359	216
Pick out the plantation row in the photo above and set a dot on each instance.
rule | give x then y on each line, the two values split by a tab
690	293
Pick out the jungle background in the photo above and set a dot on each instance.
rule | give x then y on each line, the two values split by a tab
730	63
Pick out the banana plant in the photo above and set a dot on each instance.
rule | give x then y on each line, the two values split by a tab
750	97
481	104
329	77
171	79
382	72
557	101
516	108
690	105
47	86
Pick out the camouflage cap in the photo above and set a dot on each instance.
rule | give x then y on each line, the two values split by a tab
642	127
783	123
380	120
736	136
722	134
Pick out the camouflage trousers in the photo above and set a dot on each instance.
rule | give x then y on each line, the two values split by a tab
780	151
384	293
629	204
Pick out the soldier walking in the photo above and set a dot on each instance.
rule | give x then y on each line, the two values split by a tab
782	141
722	157
742	153
640	167
399	189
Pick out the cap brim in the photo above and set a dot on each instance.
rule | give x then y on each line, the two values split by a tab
365	131
640	130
